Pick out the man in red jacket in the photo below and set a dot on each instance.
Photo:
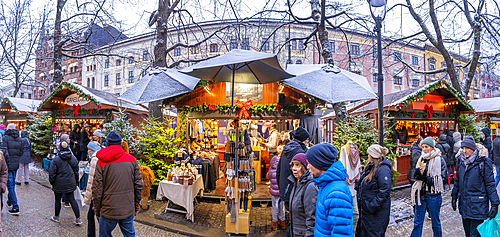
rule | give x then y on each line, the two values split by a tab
117	188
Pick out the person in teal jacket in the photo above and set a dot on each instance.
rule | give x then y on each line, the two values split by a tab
334	210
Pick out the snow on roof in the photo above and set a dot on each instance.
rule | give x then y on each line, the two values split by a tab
486	105
107	98
24	105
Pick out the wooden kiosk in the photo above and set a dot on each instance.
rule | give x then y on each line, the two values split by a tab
424	111
16	110
489	109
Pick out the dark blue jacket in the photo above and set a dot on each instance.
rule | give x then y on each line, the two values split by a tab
486	141
63	172
334	216
416	152
291	149
374	200
449	138
26	157
496	151
12	148
474	188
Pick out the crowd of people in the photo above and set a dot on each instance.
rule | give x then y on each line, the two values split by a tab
310	184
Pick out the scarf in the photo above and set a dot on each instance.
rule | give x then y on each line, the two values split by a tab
469	160
433	171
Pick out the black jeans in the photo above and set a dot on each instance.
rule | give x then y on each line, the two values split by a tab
72	201
91	220
470	227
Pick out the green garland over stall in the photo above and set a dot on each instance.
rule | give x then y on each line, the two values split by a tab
73	88
226	108
401	113
86	112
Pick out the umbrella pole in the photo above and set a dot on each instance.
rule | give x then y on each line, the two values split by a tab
232	89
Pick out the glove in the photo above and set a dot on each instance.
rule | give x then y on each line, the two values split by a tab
454	203
430	181
493	211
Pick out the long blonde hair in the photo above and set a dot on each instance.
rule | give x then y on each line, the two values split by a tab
376	163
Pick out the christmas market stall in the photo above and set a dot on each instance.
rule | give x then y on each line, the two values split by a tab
16	110
73	104
488	109
428	110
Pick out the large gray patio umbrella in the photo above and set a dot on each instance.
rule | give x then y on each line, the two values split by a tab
240	66
329	83
160	84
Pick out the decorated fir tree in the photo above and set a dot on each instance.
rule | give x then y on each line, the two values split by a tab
121	125
157	139
40	131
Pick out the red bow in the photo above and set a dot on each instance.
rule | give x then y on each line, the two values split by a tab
278	107
244	107
99	107
211	107
75	110
413	114
429	110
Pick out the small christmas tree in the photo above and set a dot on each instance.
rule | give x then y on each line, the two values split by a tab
121	125
158	139
40	131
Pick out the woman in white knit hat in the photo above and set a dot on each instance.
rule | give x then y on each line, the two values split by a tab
374	194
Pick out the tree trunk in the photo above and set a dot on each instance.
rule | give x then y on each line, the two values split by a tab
58	44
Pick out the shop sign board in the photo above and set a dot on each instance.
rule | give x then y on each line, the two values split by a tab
244	92
75	99
436	101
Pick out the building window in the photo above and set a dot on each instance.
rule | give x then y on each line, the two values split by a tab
397	80
88	68
298	62
415	82
177	51
94	67
265	44
118	79
332	46
414	60
245	44
145	55
301	45
106	80
106	63
194	50
29	96
432	63
355	49
131	60
93	82
233	44
22	95
130	76
375	77
88	82
397	56
214	48
294	45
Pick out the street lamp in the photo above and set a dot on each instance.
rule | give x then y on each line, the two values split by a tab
378	9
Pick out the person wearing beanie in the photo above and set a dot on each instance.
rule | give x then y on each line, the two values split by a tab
302	198
427	188
334	210
116	188
12	148
93	148
474	187
64	177
374	193
2	129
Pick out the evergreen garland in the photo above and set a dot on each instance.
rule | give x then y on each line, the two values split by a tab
402	113
226	108
86	112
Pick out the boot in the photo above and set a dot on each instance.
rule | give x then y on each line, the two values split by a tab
282	225
275	225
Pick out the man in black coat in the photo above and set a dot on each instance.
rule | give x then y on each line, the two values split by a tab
12	148
84	141
486	141
449	138
75	137
416	152
446	154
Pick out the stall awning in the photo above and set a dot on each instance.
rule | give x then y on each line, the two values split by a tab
22	105
486	105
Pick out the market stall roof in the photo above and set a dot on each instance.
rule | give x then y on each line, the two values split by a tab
329	83
21	105
486	105
97	97
403	98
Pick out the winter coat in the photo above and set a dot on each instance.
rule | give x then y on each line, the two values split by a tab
416	151
496	151
474	188
374	200
26	157
4	171
63	172
334	216
291	149
449	138
90	180
271	174
12	148
302	205
117	184
74	137
446	151
457	137
84	140
486	141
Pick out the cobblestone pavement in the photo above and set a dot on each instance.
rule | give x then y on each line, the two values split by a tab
36	204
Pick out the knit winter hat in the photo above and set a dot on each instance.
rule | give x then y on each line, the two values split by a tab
322	156
469	142
376	151
11	126
63	146
98	133
301	134
2	127
113	139
301	158
429	141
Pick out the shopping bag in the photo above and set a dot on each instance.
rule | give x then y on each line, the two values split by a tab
78	197
490	227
